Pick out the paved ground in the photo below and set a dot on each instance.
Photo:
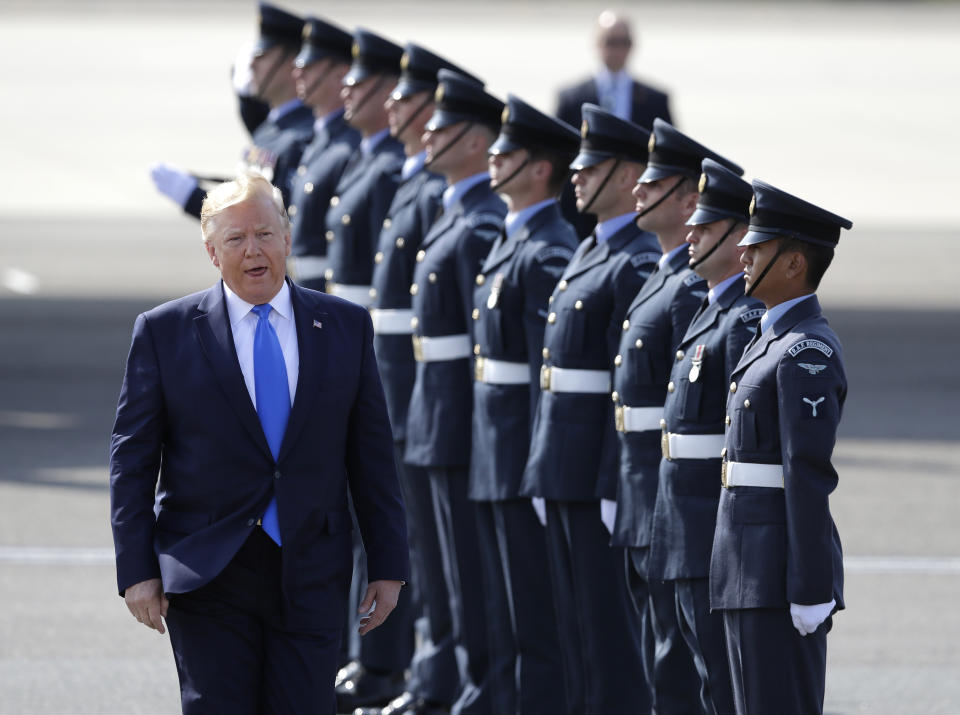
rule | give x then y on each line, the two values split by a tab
847	105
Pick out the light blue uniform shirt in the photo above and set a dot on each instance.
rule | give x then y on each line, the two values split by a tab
452	194
774	314
517	220
720	288
609	227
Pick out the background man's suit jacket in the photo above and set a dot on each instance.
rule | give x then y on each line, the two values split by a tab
646	103
185	413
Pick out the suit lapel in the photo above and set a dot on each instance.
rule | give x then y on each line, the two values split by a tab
216	339
313	347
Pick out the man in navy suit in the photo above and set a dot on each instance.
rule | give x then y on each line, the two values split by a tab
776	570
612	88
257	403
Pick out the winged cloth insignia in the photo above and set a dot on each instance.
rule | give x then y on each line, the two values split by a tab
812	368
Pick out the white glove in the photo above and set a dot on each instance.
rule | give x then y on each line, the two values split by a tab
806	619
608	513
540	506
172	182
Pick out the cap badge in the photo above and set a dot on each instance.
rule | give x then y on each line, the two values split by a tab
753	205
505	115
405	61
584	128
703	183
355	50
438	95
652	142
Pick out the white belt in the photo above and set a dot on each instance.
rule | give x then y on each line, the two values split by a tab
744	474
353	293
446	347
691	446
638	419
305	268
560	379
501	372
391	322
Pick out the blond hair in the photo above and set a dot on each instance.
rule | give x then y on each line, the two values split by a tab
247	185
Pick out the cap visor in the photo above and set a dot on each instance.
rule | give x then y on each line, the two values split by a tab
262	45
406	89
705	215
754	237
655	173
504	145
442	118
586	159
356	75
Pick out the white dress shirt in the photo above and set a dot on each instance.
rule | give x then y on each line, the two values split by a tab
243	323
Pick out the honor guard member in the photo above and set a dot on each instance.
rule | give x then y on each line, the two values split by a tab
279	140
528	168
323	62
433	668
652	328
363	195
693	425
776	570
463	126
572	450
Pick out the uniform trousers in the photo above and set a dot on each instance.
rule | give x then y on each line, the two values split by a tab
233	651
434	666
514	549
703	633
773	668
667	665
456	519
598	629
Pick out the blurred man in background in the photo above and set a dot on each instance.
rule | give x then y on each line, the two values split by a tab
612	87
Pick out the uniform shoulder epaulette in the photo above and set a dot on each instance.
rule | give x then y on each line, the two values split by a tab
646	257
553	251
752	314
482	218
810	344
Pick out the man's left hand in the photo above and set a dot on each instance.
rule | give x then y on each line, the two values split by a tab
382	597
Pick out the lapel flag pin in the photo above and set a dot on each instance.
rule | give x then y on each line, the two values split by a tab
317	324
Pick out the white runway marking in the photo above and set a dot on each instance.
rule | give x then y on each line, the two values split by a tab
19	281
65	555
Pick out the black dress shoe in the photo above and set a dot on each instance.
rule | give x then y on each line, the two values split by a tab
405	704
351	671
369	689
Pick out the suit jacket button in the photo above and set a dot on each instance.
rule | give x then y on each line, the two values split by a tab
578	305
746	403
373	292
432	277
476	349
552	318
334	200
414	288
387	223
679	355
727	421
379	257
618	360
400	242
308	188
345	219
476	314
562	285
670	386
733	386
301	170
328	274
421	254
330	235
292	210
615	396
639	343
626	325
481	279
545	353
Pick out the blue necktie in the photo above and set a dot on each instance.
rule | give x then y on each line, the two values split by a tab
273	398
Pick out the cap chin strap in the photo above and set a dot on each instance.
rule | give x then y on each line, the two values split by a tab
320	80
366	98
603	185
780	251
659	201
715	246
446	147
272	73
423	105
523	164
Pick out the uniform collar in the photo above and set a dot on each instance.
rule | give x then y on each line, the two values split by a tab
278	113
609	227
668	257
714	294
369	144
327	119
778	311
452	194
238	308
514	221
413	164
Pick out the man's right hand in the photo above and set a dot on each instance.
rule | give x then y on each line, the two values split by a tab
147	603
174	183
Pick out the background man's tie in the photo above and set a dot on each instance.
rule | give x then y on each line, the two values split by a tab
273	398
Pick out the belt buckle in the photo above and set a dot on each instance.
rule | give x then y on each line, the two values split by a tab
723	468
545	377
478	369
619	418
417	348
665	443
